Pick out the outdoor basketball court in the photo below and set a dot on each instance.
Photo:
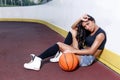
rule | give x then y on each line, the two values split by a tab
19	39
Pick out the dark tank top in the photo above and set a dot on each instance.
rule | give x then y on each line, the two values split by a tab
90	39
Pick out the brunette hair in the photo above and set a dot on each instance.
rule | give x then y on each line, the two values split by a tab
82	33
91	18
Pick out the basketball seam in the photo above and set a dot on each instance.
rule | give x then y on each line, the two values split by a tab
72	61
61	64
66	61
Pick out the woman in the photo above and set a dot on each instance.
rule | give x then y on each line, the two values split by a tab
86	40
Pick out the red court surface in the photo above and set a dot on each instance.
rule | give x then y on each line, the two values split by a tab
19	39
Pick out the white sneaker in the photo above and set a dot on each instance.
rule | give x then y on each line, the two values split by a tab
32	57
34	64
56	58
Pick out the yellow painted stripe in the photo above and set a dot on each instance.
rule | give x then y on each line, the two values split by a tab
109	58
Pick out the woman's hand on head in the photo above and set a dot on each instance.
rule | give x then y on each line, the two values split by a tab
84	17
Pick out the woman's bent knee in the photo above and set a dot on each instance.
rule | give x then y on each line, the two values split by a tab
59	43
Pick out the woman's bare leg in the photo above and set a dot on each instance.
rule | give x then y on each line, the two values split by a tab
64	47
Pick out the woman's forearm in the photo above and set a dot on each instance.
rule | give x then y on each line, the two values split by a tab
83	51
75	24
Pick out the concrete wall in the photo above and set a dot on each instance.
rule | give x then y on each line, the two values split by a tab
63	13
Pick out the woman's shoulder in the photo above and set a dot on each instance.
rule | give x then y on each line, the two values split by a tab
100	30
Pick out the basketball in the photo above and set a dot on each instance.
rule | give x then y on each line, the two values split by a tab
68	62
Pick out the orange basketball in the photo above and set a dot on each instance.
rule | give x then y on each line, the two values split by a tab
68	61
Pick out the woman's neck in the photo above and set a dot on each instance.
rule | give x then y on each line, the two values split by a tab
95	29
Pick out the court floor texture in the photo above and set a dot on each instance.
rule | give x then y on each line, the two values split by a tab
19	39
